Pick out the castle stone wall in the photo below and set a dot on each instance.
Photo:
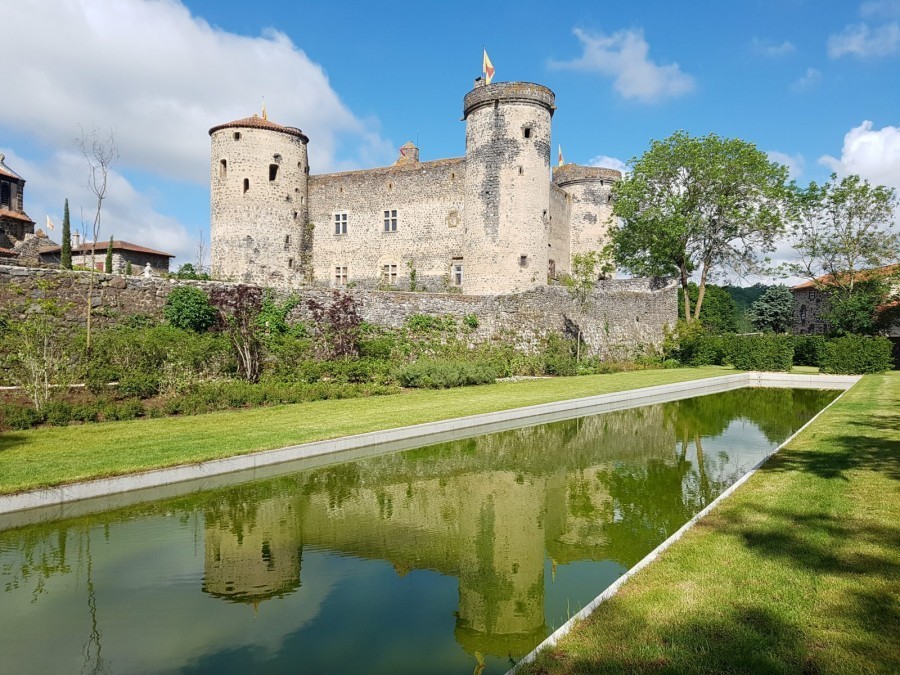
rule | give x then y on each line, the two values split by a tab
428	199
559	249
619	315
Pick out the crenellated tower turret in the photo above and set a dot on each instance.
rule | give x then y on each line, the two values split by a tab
507	191
590	198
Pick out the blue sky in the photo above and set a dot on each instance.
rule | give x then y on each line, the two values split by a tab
815	83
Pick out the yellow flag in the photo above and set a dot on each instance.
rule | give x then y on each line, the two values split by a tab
487	68
49	223
265	115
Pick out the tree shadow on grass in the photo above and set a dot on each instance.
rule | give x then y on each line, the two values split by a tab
8	440
741	639
878	454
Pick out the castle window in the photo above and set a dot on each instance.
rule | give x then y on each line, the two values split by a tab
802	313
287	240
523	261
552	269
290	263
340	276
295	215
390	186
4	194
456	273
306	170
526	132
237	135
223	169
453	218
389	274
340	223
390	220
273	172
276	157
246	185
521	170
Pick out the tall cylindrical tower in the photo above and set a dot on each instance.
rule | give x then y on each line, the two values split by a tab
507	189
259	202
590	212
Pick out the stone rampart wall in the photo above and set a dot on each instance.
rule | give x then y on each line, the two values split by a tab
619	315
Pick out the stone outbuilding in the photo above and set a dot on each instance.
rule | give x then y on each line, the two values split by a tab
124	252
14	222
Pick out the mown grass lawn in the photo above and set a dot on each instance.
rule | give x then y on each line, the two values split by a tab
58	455
797	572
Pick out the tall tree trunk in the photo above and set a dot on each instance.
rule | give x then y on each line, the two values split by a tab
701	291
684	290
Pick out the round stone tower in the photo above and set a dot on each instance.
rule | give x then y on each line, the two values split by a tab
259	202
507	191
590	212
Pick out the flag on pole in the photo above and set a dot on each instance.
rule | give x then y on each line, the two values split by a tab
560	155
49	223
265	116
487	68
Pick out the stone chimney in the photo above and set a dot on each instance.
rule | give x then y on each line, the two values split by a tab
409	154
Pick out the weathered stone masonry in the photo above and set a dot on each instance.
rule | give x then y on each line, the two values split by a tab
488	223
621	314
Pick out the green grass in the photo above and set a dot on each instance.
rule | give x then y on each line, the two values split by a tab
58	455
797	572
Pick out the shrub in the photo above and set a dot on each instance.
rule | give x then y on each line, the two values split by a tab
692	345
559	356
442	374
769	352
189	308
808	350
139	384
857	354
17	416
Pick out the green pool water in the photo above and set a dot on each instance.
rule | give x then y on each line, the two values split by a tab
452	558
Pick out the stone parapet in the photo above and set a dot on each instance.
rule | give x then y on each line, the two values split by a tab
509	92
575	173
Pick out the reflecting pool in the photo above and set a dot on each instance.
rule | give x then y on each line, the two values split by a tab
451	558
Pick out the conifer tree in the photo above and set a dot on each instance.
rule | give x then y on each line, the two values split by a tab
109	252
65	255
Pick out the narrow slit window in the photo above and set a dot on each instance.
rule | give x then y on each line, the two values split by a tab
527	132
521	170
223	169
290	263
246	185
523	261
273	172
287	240
237	135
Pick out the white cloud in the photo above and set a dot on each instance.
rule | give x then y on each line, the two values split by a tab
880	8
127	214
608	162
624	56
794	163
161	78
870	153
772	49
807	81
862	41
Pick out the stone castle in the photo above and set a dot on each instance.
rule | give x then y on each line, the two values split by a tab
492	222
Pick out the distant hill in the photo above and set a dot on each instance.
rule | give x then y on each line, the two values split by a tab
743	297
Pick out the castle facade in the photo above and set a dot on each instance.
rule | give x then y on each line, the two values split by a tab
492	222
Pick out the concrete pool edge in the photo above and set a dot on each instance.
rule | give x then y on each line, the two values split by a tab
614	588
108	487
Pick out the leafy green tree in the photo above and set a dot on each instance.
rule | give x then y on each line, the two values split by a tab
719	313
704	205
108	264
861	312
843	228
774	311
743	297
189	308
65	254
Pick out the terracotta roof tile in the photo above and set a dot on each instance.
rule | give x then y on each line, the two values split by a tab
6	213
117	246
862	275
6	253
256	122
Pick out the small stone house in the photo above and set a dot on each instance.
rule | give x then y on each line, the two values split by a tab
811	302
123	253
14	222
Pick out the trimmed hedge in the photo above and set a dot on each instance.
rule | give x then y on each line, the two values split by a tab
442	374
808	350
766	352
857	355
